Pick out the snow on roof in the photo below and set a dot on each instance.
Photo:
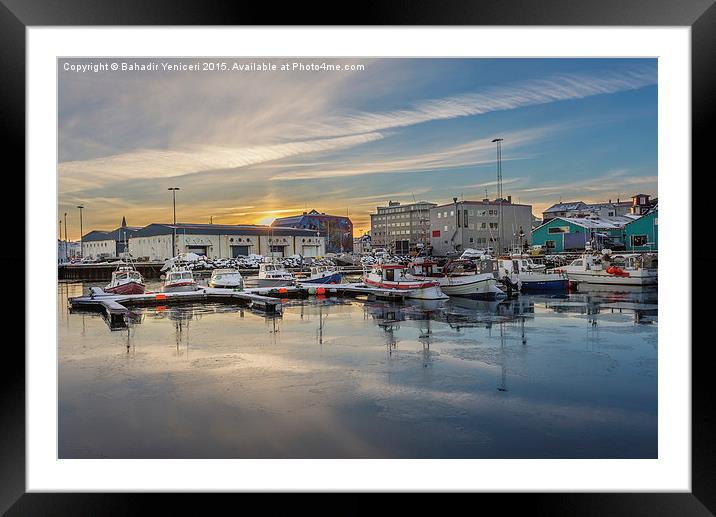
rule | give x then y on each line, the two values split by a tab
561	207
603	223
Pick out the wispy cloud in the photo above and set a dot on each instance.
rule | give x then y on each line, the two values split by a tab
528	93
171	163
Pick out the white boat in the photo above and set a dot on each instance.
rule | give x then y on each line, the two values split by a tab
178	279
228	278
458	278
631	269
125	280
392	276
530	277
271	274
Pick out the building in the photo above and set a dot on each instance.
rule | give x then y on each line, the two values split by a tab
338	229
67	251
362	244
643	234
401	228
641	204
459	225
572	233
99	244
580	209
154	242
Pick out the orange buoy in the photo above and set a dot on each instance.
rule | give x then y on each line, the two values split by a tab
321	290
160	296
282	290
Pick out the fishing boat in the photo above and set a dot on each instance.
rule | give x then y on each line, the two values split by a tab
530	277
271	274
393	276
228	278
457	278
323	275
125	280
179	278
629	269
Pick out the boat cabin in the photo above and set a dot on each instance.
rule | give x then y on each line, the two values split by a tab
126	275
179	274
390	272
425	268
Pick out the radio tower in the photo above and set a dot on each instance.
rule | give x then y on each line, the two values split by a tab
498	141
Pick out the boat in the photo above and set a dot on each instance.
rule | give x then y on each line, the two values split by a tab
179	278
323	275
458	278
393	276
228	278
530	277
125	280
628	269
271	274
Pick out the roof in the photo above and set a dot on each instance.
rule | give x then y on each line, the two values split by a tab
220	229
298	219
505	203
561	207
111	235
596	223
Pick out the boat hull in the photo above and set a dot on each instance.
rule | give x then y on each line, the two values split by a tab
606	278
268	282
180	287
418	290
529	286
474	286
335	278
126	288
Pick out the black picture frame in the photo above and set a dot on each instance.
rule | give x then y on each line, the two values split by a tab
700	15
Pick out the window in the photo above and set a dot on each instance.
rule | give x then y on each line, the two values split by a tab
639	240
464	218
558	229
439	215
549	245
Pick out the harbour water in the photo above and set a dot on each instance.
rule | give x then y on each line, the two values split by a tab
539	376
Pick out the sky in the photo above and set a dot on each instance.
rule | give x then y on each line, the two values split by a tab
247	146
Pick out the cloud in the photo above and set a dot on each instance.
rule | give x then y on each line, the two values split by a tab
170	163
528	93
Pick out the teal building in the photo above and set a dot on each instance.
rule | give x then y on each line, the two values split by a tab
642	234
572	233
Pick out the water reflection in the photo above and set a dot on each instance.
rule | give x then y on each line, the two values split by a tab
535	376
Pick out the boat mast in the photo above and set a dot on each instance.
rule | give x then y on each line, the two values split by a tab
498	141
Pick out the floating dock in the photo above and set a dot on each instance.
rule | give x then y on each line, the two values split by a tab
267	299
116	306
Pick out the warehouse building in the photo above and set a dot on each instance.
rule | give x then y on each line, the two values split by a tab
460	225
643	233
154	242
99	244
337	229
573	233
401	228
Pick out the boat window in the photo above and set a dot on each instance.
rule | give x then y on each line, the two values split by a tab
186	275
390	274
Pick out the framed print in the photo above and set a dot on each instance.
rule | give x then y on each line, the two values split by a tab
370	258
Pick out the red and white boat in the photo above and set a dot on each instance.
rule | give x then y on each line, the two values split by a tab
125	280
179	279
392	276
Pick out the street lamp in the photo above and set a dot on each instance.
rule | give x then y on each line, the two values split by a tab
81	231
66	240
174	236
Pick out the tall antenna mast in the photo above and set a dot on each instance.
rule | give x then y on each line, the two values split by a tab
498	141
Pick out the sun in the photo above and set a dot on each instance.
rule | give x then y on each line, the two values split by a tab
267	220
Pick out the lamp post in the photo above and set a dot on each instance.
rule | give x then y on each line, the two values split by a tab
174	235
81	231
66	239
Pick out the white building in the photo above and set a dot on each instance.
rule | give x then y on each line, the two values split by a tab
456	226
154	242
99	244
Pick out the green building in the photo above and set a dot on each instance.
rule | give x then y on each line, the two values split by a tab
572	233
643	234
